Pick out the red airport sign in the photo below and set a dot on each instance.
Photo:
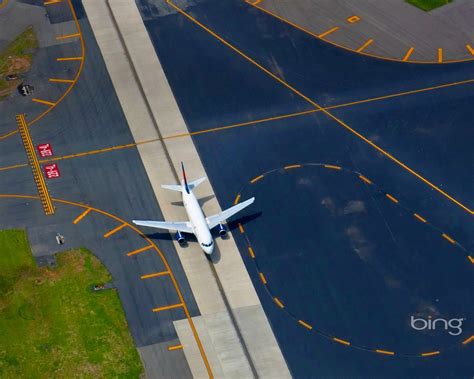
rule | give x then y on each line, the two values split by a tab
51	171
45	150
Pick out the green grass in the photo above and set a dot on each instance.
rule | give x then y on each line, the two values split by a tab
52	325
428	5
21	47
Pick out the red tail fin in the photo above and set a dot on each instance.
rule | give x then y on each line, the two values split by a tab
184	177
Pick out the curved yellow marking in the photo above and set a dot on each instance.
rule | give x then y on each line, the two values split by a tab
386	352
316	105
431	353
254	180
278	302
448	238
262	278
292	166
344	342
332	167
306	325
363	178
347	48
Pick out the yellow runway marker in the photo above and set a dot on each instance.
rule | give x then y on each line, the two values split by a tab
292	166
306	325
81	216
66	59
262	278
391	198
68	36
254	180
363	178
115	230
327	32
469	340
420	218
470	49
154	275
347	343
41	101
386	352
316	105
365	45
175	347
430	354
134	252
440	55
167	307
56	80
34	164
408	54
332	167
241	228
237	198
448	238
251	252
278	302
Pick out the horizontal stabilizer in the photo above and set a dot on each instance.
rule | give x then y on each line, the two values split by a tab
217	219
180	226
196	182
172	187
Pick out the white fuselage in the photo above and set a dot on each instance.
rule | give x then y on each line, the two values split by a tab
198	222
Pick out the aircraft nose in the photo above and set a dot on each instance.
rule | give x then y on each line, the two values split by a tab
208	250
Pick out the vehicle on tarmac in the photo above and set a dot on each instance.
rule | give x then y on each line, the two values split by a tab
198	223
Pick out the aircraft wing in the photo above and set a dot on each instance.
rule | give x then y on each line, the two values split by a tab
215	220
184	226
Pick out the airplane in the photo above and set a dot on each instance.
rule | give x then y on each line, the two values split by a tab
198	224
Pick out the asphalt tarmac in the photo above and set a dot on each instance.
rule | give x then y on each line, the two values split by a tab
340	255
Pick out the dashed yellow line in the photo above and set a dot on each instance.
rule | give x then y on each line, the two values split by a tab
262	278
278	302
392	198
305	324
237	198
365	45
344	342
420	218
254	180
34	164
81	216
363	178
469	340
241	228
251	252
448	238
386	352
292	166
140	250
154	275
115	230
408	54
327	32
167	307
332	167
470	258
431	353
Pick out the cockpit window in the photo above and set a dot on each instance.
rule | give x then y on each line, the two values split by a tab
207	244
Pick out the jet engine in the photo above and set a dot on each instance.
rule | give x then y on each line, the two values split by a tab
180	238
222	230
